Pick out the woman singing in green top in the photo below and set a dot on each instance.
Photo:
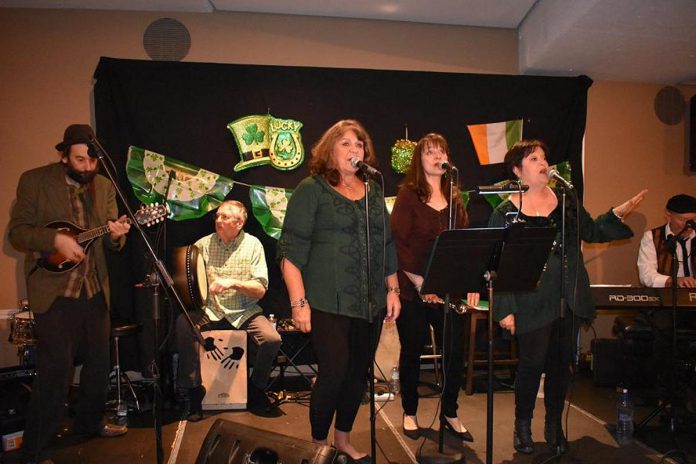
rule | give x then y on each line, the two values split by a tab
323	257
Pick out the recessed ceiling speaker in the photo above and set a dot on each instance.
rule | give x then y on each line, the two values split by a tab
669	105
167	39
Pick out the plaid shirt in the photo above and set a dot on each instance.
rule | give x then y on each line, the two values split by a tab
243	259
85	274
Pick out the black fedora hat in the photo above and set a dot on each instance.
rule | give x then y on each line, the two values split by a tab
76	133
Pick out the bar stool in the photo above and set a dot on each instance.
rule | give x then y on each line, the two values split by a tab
471	358
122	329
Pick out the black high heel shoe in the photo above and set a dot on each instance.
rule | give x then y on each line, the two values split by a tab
465	435
413	434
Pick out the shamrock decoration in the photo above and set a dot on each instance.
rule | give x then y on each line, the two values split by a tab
253	134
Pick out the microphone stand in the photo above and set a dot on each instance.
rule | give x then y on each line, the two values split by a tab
370	319
668	406
160	275
561	315
451	219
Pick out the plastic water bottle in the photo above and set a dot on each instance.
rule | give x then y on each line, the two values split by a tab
624	418
272	320
395	384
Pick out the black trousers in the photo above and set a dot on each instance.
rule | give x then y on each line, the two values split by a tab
70	326
343	355
548	350
413	329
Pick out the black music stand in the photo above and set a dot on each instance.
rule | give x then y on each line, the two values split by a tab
463	260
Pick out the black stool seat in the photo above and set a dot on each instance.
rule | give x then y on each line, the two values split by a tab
123	329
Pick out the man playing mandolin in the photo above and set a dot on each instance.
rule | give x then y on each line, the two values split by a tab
70	306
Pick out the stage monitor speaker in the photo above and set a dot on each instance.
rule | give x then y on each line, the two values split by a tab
692	134
232	443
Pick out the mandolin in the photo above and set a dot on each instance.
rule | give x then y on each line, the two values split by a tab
56	262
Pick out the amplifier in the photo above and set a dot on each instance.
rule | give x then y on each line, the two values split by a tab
605	362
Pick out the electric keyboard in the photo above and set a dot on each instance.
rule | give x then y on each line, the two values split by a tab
617	297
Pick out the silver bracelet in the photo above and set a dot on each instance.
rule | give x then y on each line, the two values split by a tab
299	303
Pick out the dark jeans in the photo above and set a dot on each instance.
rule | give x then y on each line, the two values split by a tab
343	355
262	339
413	329
68	327
545	350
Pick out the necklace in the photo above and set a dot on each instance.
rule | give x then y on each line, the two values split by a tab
351	192
533	205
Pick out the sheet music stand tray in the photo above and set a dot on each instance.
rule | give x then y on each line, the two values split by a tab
464	260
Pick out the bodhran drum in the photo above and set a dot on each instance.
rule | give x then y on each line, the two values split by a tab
190	279
22	328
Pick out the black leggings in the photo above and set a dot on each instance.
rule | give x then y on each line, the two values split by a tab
539	351
343	354
413	325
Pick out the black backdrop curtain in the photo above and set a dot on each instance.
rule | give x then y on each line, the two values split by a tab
181	110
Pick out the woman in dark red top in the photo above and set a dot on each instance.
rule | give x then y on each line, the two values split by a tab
420	214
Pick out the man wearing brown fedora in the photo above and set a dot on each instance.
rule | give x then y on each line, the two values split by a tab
70	302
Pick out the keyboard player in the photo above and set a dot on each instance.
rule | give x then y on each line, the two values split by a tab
655	269
654	258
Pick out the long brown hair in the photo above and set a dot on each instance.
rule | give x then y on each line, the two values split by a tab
322	161
415	177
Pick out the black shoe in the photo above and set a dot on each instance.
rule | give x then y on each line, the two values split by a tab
522	436
193	403
465	435
413	434
257	399
555	439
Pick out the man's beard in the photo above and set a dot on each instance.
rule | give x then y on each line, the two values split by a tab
81	177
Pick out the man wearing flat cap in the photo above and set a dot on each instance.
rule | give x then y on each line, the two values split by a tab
70	304
655	259
655	269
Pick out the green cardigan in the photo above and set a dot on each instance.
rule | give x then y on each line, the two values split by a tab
539	307
324	236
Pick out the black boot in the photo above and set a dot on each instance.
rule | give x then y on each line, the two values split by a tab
522	437
195	408
553	434
257	399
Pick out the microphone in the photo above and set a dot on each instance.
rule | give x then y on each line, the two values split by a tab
447	167
510	187
553	173
364	167
691	224
93	148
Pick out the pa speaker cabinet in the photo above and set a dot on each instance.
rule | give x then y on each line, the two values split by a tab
605	361
231	443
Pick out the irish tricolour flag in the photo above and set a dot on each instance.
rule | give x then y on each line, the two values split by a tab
493	140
